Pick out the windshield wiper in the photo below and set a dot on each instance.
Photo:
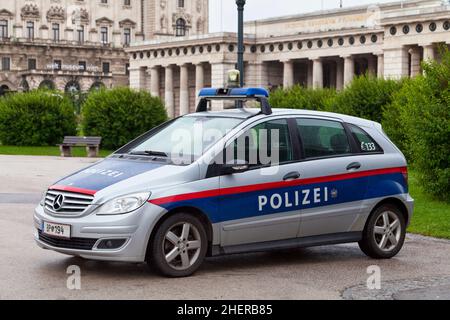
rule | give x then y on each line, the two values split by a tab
149	153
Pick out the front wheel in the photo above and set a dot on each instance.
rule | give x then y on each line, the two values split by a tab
384	234
179	246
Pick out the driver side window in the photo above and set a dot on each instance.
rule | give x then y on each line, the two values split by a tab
267	143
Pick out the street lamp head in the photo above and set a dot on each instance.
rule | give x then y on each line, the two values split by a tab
240	3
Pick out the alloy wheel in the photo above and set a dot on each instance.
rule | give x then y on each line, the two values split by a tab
182	245
387	231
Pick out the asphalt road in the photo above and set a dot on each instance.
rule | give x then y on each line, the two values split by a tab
331	272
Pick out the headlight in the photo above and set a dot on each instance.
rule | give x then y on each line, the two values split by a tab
124	204
42	202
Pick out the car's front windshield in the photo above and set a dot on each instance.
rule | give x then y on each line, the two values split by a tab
187	138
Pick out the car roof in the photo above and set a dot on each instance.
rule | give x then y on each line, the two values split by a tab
246	113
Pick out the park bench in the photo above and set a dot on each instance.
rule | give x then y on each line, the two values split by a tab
92	145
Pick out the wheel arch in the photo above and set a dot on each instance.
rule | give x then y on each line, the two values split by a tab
189	210
393	201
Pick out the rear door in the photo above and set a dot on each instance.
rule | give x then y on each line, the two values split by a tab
333	184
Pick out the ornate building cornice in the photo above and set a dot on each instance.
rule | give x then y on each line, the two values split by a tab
127	23
181	14
80	16
56	14
30	11
104	21
6	14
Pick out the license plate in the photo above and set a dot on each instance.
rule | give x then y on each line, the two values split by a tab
57	230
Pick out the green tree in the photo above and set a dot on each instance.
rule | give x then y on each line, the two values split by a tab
120	115
424	117
36	118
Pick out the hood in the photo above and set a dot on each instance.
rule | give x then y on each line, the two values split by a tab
116	174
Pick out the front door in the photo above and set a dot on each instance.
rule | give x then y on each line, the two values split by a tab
255	205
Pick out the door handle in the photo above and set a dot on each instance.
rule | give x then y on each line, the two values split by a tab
353	166
291	176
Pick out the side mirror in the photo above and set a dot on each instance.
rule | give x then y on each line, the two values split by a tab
235	166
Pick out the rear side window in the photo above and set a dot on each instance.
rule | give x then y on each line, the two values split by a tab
323	138
366	143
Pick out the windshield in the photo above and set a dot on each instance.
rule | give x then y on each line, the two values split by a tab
187	138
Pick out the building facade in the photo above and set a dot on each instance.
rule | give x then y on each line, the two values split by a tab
321	49
75	45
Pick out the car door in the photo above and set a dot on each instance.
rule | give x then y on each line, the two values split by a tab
253	205
333	180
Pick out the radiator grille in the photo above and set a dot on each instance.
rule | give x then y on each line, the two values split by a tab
69	204
73	243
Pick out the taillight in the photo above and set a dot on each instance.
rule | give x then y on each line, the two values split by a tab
405	175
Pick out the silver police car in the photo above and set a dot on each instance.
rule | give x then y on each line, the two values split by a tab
244	179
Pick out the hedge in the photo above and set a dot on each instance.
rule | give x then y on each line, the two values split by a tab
422	107
365	97
120	115
36	118
298	97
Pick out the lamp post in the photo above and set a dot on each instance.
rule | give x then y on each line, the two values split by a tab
240	7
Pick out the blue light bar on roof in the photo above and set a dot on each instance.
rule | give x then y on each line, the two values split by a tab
234	92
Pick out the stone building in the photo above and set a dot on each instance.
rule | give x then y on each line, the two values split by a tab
79	44
320	49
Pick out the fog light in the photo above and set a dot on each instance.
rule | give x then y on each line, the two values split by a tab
110	244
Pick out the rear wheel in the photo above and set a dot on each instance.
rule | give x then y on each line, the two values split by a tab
179	246
384	234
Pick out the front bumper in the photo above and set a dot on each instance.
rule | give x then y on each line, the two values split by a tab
89	231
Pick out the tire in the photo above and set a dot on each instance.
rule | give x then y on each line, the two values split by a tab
380	241
172	253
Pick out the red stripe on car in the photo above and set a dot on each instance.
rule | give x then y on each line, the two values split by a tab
73	189
273	185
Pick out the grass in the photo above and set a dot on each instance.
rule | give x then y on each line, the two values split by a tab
431	217
46	151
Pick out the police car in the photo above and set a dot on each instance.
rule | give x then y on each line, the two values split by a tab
244	179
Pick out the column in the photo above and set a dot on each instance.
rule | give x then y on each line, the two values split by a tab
262	75
219	72
169	96
380	65
415	62
137	78
310	74
349	70
154	81
372	66
317	74
199	78
428	52
184	90
288	74
396	63
339	74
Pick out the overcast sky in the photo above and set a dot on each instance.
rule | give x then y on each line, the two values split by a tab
223	12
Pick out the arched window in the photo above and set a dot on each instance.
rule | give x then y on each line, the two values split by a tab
4	89
47	84
181	28
72	87
97	85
